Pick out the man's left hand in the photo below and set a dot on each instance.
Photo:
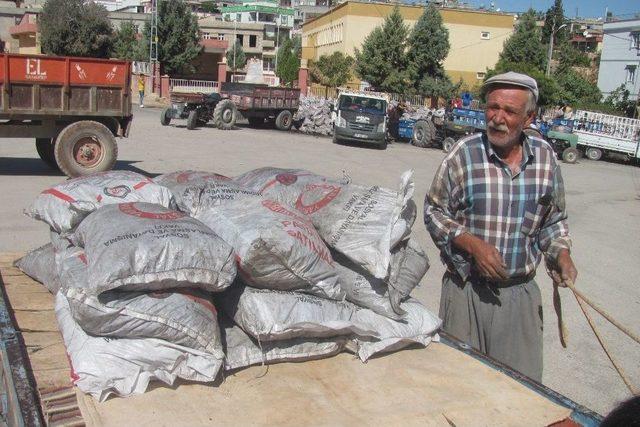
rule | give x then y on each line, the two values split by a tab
563	269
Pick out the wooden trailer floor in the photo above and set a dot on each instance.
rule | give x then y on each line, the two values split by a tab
438	386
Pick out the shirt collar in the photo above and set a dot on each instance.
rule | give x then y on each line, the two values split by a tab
526	149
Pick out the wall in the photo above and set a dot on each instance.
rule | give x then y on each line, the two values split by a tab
617	53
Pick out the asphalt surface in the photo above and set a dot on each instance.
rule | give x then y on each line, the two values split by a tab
603	200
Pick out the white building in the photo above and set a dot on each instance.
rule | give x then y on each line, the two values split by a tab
620	59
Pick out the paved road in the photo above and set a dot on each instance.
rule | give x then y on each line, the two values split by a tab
603	200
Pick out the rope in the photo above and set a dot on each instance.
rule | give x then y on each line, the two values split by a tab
557	305
581	302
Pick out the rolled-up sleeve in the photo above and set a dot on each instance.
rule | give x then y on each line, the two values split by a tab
554	232
439	217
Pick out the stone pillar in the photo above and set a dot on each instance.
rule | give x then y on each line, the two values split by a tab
164	86
156	80
303	80
222	72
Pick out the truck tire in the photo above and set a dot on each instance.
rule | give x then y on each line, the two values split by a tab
165	117
570	155
383	145
225	115
424	132
256	121
44	147
192	120
447	144
85	147
284	120
593	153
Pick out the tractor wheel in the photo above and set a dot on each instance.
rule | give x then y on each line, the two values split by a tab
165	117
225	115
424	132
85	147
44	147
447	144
570	155
192	120
593	153
284	120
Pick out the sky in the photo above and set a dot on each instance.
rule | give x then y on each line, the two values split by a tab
586	8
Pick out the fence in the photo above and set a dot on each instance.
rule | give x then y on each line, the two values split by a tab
193	86
324	92
269	80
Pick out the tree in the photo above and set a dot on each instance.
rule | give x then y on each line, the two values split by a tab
178	37
554	19
126	44
236	57
569	56
428	47
288	61
524	45
332	70
75	28
383	61
618	100
549	91
575	89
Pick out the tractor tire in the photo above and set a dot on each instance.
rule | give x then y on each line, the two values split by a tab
192	120
570	155
85	147
225	115
44	147
593	153
165	116
256	121
424	133
284	120
448	144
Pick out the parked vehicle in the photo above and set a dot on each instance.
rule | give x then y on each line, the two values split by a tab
73	107
443	130
255	102
361	117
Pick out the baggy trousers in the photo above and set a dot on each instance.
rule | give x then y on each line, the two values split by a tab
502	322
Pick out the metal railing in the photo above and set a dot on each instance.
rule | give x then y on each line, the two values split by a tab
193	86
606	125
269	80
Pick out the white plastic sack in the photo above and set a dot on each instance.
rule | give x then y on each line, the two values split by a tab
269	315
65	205
146	247
418	326
361	222
409	264
102	366
241	350
191	188
39	264
276	247
185	317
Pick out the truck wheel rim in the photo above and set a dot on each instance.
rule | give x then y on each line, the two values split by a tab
571	157
227	115
285	121
87	151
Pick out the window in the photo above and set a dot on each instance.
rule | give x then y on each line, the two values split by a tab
630	74
480	75
253	41
238	17
635	40
253	16
220	36
240	39
484	35
206	36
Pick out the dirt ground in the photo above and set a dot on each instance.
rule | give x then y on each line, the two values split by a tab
603	199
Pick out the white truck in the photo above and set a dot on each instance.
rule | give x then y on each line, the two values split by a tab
600	134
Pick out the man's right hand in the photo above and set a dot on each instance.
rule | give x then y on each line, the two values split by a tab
487	259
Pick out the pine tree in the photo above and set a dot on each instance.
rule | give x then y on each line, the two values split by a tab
126	44
332	70
428	48
236	57
382	61
288	61
554	18
524	45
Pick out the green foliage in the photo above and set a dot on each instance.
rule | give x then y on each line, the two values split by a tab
210	7
618	100
178	38
332	70
524	45
75	28
547	87
288	61
126	44
383	61
554	18
575	89
428	47
236	60
569	56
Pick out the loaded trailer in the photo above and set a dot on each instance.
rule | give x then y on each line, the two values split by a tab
446	384
74	108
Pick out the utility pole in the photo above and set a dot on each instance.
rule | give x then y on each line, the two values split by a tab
554	30
153	46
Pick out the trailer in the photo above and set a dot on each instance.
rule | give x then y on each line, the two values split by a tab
447	383
74	108
600	134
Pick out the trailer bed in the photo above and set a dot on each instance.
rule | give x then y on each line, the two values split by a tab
443	384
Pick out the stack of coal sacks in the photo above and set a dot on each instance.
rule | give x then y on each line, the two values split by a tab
315	116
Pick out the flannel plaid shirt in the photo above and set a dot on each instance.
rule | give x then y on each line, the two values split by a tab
523	215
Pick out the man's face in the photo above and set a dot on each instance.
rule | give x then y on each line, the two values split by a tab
506	115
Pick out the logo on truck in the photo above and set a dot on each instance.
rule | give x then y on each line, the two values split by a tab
362	119
34	72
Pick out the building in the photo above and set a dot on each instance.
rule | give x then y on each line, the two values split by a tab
586	34
476	37
620	58
267	12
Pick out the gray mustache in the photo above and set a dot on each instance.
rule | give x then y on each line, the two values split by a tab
499	128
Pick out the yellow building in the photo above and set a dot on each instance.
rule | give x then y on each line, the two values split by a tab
476	37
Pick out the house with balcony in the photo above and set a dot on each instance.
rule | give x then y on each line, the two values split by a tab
620	58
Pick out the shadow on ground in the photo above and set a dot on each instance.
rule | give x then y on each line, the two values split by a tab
29	166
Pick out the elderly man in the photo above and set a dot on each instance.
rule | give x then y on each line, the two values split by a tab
495	207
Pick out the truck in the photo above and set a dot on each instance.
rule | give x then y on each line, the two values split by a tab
447	383
74	108
361	116
254	102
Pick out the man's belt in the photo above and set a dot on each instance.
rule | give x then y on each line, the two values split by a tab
481	280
